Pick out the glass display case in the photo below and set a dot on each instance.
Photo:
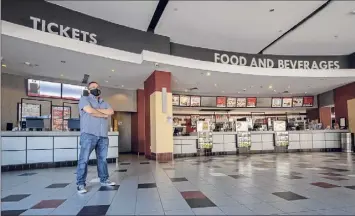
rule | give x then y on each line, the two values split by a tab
281	138
243	139
204	134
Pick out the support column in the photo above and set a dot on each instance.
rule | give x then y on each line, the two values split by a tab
158	125
137	123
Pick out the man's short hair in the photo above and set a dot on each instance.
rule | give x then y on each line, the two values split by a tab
92	82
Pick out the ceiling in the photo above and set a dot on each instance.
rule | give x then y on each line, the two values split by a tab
239	26
134	14
132	76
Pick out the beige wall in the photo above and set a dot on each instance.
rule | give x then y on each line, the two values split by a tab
161	129
13	88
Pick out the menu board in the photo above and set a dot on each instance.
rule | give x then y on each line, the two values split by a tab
58	114
231	102
241	102
308	101
72	92
251	102
28	110
208	101
263	102
195	101
286	102
38	88
276	102
297	101
184	100
221	101
176	100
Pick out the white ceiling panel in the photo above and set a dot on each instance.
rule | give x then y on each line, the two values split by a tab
330	32
134	14
240	26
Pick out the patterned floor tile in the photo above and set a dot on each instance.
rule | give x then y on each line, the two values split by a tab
324	185
94	210
31	212
109	188
58	185
178	179
27	174
146	162
289	196
193	195
14	198
48	204
125	163
121	170
291	177
208	211
200	203
334	178
350	187
147	185
237	176
331	174
12	212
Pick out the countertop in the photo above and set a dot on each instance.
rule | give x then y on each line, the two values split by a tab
45	133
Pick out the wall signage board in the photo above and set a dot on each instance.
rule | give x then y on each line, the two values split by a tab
276	102
241	102
40	88
195	101
52	18
221	102
176	100
297	101
231	102
261	60
287	102
72	92
251	102
308	101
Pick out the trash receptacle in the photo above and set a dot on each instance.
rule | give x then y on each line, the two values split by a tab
346	142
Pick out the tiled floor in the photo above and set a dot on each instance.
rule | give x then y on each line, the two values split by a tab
283	184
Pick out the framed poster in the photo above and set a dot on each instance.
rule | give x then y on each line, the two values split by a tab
308	101
176	100
241	102
184	100
231	102
286	102
195	101
221	101
297	102
251	102
276	102
208	101
263	102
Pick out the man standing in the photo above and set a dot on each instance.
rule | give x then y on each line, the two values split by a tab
94	114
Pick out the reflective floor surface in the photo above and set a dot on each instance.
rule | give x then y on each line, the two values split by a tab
282	184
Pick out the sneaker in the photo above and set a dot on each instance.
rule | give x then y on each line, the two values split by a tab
108	183
81	189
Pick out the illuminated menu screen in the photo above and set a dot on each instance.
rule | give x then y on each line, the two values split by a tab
72	92
38	88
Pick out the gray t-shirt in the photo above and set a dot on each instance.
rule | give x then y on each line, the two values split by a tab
90	124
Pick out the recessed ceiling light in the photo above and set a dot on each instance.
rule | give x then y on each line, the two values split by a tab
274	90
27	63
3	65
251	86
272	10
305	92
215	84
61	75
222	91
113	70
244	89
122	86
185	90
352	12
208	74
288	86
106	81
270	86
238	92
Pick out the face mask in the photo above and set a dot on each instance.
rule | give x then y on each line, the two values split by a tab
95	92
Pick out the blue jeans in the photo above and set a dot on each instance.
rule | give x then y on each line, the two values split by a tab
88	143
